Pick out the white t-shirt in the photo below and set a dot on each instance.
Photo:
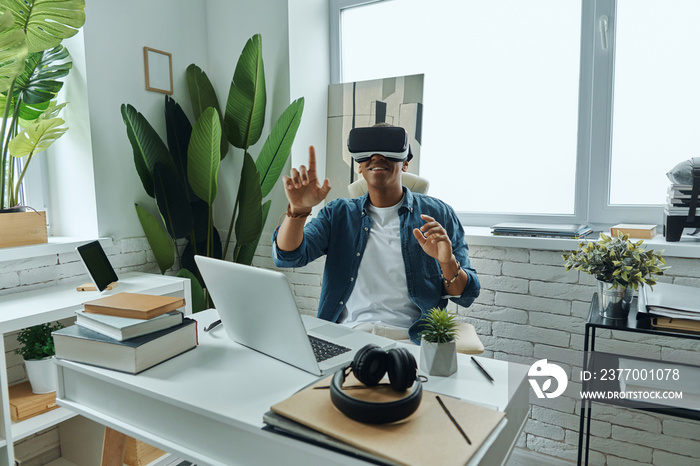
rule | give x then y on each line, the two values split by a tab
380	294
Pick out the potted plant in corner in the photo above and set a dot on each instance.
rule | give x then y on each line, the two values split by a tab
620	266
37	349
438	348
34	61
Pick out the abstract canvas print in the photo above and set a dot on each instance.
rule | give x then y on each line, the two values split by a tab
398	101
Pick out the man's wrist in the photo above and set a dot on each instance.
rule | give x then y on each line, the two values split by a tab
294	212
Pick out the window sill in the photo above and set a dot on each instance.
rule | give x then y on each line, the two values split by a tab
687	247
56	245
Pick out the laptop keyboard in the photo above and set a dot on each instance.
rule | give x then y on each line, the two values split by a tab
325	349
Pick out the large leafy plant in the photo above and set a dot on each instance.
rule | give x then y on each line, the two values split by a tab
616	261
32	62
182	175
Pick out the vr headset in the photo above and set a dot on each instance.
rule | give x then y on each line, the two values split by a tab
389	141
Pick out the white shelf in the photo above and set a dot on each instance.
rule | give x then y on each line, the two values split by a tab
27	308
38	423
61	462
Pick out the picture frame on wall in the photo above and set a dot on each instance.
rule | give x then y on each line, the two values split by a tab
159	70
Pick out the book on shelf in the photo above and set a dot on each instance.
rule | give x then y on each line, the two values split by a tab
441	441
670	300
675	324
634	230
134	305
79	344
25	404
540	230
124	328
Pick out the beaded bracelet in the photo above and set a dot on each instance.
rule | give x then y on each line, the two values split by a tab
452	280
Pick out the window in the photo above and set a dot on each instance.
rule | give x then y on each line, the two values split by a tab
518	118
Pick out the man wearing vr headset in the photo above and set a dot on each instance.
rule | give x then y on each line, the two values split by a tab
391	254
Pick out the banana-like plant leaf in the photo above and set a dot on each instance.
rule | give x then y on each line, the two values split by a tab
249	221
188	253
246	253
275	151
245	107
148	147
46	22
37	137
172	202
179	130
13	51
202	95
198	303
159	240
203	155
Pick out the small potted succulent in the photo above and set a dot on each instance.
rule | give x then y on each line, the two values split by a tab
438	348
37	349
620	266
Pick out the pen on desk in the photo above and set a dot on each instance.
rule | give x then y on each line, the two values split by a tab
454	421
481	368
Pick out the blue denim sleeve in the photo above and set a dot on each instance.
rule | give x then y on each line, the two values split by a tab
314	244
461	252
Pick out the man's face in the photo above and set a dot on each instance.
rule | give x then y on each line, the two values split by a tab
380	171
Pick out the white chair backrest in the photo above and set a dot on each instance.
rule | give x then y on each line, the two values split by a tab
415	183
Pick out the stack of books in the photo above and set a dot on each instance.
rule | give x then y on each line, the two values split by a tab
671	307
678	200
127	332
538	230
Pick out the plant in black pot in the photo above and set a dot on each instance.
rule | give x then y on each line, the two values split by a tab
620	266
438	348
37	349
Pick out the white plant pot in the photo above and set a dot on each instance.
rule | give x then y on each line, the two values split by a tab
438	359
42	374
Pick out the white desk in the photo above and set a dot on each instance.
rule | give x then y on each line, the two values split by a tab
207	404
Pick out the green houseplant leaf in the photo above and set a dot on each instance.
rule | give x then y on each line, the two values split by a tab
161	244
36	342
275	151
47	22
203	156
246	252
249	221
148	147
245	107
172	202
37	137
39	82
179	131
202	95
198	302
13	51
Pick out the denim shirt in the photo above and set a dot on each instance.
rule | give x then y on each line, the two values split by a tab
341	230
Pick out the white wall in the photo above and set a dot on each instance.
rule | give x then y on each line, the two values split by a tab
229	26
115	34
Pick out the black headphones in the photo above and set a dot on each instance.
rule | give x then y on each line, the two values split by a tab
369	366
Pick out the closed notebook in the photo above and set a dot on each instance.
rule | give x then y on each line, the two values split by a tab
124	328
134	305
427	437
80	344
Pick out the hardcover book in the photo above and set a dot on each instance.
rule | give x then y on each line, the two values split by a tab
134	305
79	344
124	328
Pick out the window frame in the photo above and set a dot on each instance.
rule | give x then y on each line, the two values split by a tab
594	140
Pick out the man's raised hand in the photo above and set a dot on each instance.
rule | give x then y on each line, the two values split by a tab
302	187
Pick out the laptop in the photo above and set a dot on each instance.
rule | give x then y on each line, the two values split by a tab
257	310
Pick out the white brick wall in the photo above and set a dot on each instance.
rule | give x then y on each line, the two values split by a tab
531	309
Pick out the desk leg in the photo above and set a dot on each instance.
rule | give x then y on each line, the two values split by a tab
585	415
113	448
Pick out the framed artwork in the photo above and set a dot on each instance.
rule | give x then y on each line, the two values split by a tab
397	100
159	70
